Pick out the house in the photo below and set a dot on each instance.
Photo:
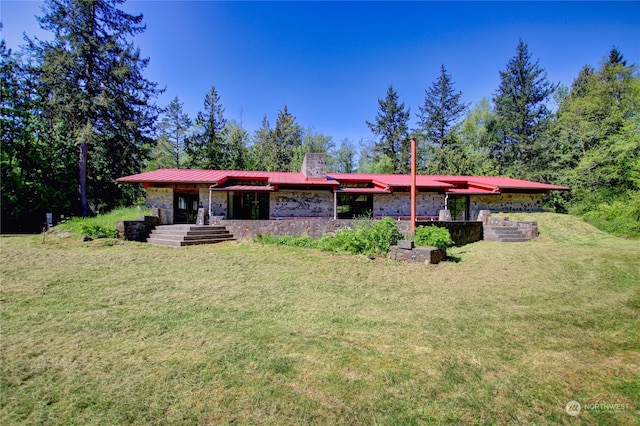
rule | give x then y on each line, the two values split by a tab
314	193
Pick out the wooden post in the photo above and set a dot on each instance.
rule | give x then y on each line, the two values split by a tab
413	186
82	187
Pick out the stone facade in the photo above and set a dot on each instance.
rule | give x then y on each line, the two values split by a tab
161	199
505	203
315	228
218	201
398	204
290	203
308	203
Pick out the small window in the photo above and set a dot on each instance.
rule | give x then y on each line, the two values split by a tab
182	203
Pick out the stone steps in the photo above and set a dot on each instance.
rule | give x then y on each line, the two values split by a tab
504	234
183	235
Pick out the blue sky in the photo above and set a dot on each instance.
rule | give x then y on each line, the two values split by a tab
330	62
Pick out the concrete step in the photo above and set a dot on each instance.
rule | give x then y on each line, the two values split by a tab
182	235
504	234
506	239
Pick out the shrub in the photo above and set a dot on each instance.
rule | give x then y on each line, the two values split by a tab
433	236
366	237
620	217
95	230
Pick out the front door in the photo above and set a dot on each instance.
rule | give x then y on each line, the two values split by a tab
185	208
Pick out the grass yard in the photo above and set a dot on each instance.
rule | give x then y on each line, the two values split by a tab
111	332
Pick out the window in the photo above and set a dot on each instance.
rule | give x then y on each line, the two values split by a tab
353	206
248	205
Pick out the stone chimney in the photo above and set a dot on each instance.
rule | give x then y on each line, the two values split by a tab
314	165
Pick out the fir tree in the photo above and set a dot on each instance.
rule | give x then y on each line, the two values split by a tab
97	101
391	127
175	130
207	147
441	111
522	116
287	138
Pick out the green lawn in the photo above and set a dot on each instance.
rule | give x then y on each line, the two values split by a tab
111	332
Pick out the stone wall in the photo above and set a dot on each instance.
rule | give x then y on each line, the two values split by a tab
137	230
315	228
218	201
161	198
462	232
399	204
290	203
505	203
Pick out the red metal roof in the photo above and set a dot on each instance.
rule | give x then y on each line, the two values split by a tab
363	190
384	183
253	188
471	191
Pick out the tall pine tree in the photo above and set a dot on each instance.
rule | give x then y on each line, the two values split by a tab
522	117
207	147
392	129
175	131
237	139
439	119
98	103
441	111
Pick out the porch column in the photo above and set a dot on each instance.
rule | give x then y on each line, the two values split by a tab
335	205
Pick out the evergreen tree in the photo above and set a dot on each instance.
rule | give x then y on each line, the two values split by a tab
237	139
287	137
391	127
207	148
175	130
97	101
441	111
522	116
262	151
32	181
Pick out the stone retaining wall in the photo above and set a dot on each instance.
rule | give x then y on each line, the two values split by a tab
313	227
137	230
462	232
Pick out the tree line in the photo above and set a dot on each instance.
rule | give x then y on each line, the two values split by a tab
77	113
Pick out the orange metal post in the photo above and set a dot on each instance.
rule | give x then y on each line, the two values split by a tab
413	186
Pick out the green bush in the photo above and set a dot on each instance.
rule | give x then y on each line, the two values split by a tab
95	230
366	237
620	217
433	236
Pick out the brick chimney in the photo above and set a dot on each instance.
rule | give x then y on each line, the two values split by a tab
314	165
